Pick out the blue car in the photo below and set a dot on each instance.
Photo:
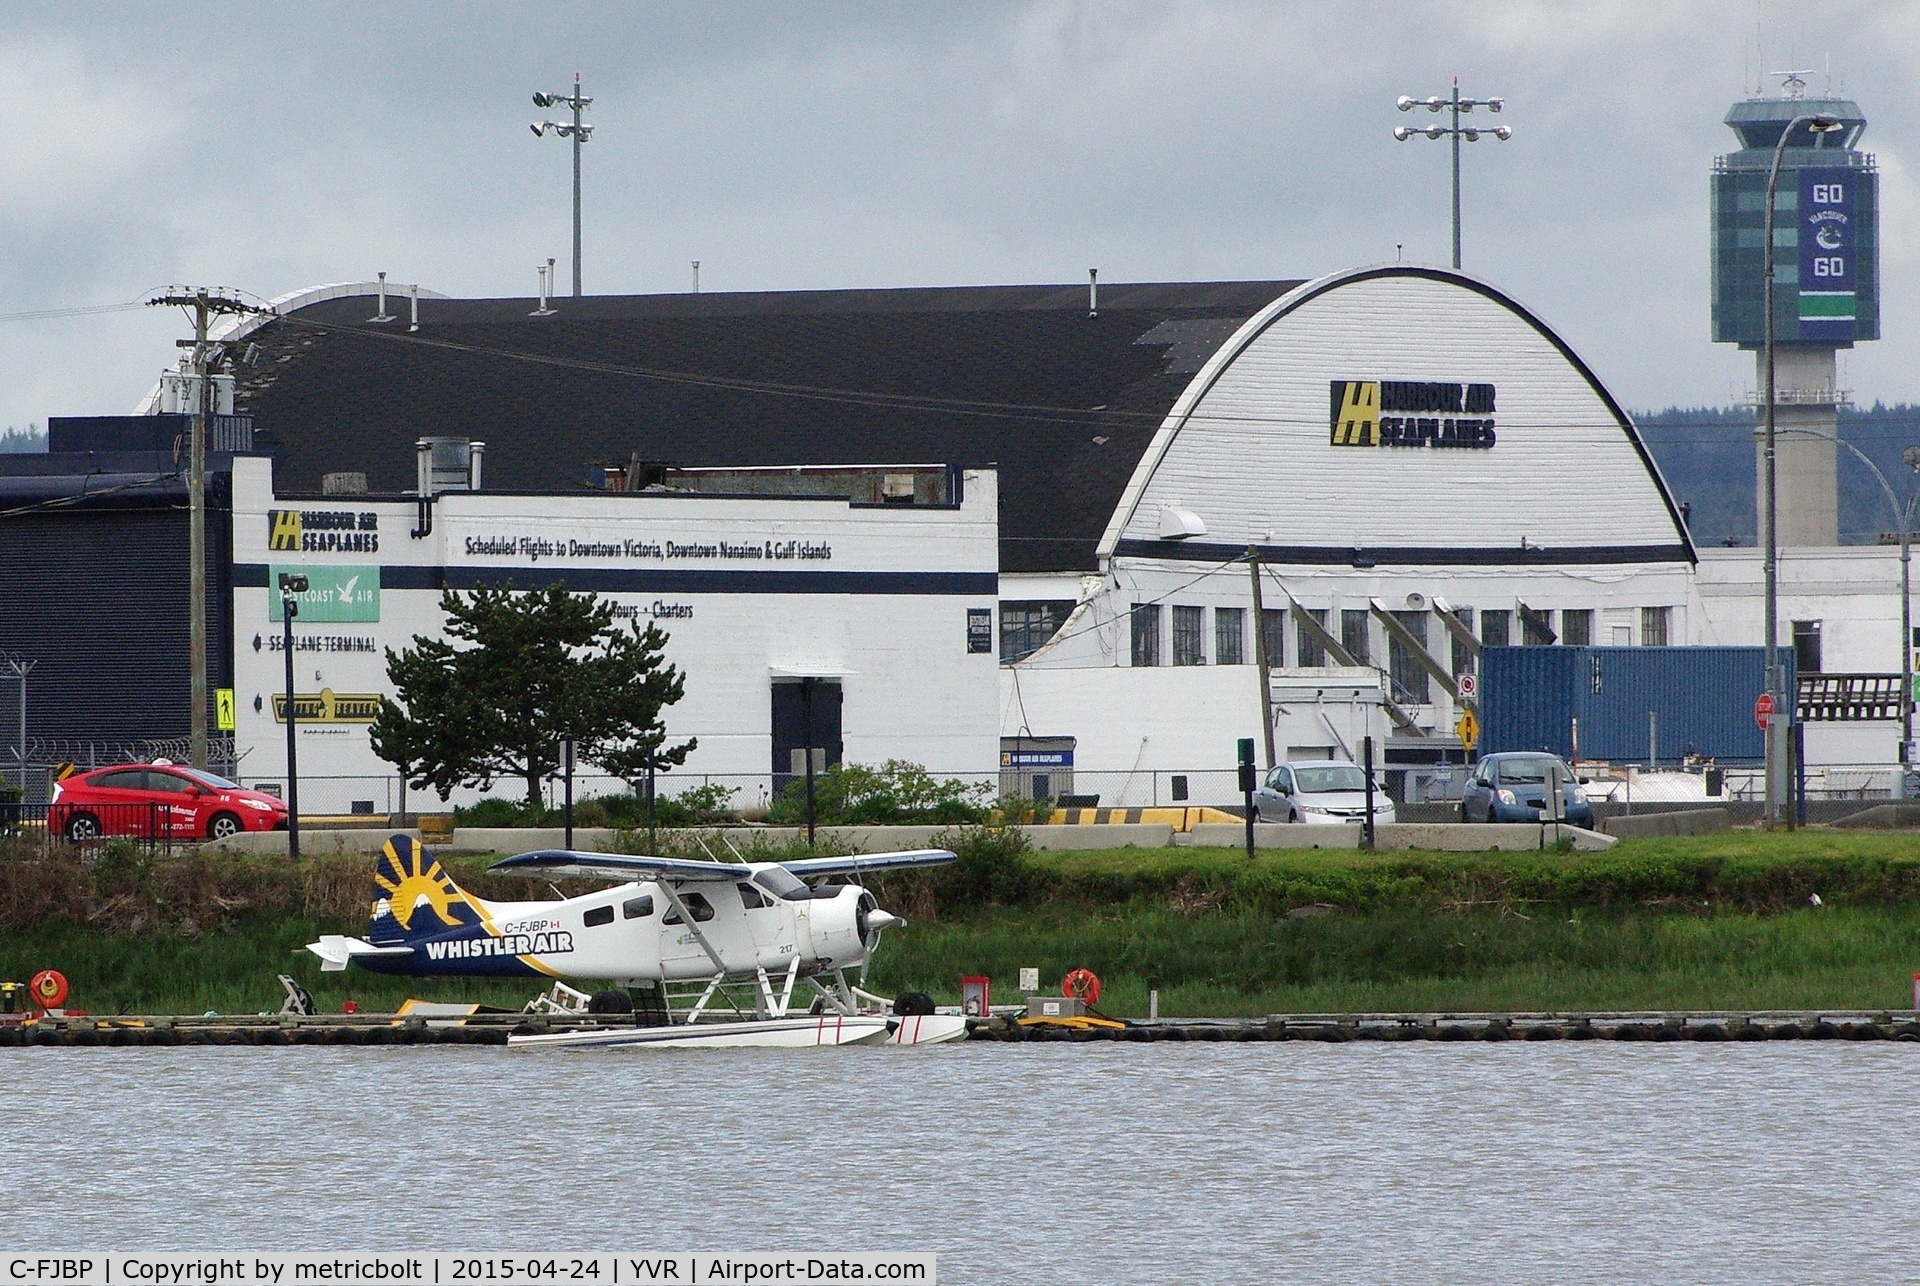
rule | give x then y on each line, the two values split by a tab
1512	787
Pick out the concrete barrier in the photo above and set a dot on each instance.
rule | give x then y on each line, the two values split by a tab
1446	837
1269	835
313	843
1692	821
1119	835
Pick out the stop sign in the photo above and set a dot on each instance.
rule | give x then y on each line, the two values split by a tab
1763	709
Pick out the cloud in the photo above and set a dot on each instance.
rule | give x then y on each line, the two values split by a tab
872	145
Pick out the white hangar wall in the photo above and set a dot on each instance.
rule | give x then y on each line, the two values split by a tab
1396	436
893	603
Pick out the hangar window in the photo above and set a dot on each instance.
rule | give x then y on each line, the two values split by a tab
637	908
1463	654
1653	626
1189	636
1576	627
597	916
1311	653
1536	627
1411	681
1146	633
1273	621
1229	636
1026	627
1496	628
1806	646
1353	635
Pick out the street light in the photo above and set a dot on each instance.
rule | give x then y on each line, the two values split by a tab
1471	133
1818	123
579	134
1904	516
291	584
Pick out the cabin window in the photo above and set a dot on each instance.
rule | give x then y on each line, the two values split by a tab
783	884
697	906
751	897
599	915
637	908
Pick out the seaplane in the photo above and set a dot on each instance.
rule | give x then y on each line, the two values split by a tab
717	949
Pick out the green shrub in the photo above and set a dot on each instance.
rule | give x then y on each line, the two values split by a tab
897	793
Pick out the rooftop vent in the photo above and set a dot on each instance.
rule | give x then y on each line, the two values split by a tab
448	464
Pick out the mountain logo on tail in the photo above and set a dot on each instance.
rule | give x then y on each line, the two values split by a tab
411	881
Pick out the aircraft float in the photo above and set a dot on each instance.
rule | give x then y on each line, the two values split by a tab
728	936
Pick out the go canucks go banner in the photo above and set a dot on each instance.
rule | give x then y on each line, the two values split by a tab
1827	278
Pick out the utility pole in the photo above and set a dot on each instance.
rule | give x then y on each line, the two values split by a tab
579	133
204	304
1260	657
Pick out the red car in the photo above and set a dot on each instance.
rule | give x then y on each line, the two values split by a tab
159	801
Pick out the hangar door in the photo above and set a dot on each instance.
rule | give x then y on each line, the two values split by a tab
806	712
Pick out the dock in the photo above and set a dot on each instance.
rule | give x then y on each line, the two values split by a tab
280	1030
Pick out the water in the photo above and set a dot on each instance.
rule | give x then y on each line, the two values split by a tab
1102	1163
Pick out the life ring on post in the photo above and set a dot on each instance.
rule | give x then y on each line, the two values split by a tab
49	989
1082	984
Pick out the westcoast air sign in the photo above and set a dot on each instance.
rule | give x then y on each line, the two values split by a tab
322	531
1411	413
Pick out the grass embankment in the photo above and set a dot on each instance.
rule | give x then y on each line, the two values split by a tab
1703	922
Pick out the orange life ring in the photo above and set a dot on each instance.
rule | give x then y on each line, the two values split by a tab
1083	984
49	988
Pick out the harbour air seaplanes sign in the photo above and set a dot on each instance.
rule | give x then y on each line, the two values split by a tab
1411	413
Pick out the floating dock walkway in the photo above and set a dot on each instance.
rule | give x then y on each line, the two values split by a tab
493	1029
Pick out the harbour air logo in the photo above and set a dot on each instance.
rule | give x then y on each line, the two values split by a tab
313	531
1411	413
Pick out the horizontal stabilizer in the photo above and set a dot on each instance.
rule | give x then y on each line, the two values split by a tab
336	951
854	863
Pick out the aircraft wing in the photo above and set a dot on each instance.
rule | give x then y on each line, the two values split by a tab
854	863
553	862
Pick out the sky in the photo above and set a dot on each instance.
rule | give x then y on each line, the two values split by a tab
268	148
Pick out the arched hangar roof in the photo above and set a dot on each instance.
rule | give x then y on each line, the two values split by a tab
1398	415
1022	377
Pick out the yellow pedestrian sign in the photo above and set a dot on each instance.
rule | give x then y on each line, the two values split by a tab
1468	728
223	709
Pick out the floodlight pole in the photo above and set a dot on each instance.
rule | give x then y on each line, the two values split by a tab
20	668
576	102
579	132
1456	132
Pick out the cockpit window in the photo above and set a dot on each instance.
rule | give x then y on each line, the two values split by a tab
751	897
783	884
696	904
637	908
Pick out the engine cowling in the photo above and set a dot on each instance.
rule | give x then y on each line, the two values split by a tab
846	928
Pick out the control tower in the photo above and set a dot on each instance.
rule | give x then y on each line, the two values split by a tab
1826	292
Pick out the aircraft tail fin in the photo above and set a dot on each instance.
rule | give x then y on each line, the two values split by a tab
414	896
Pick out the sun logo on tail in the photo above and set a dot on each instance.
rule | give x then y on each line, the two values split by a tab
409	876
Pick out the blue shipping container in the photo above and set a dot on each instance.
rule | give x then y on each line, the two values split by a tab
1701	698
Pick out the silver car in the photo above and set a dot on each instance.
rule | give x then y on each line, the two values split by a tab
1324	792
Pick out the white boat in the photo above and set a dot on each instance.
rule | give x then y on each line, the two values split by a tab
755	1033
925	1029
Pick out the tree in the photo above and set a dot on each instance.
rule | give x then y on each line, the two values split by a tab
538	666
